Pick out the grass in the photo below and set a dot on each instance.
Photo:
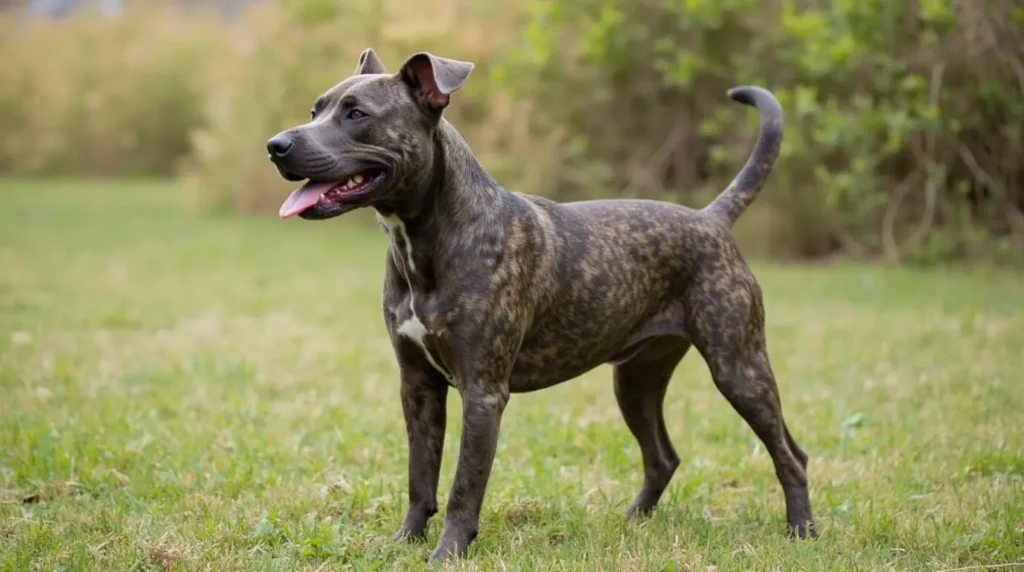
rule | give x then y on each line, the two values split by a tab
186	392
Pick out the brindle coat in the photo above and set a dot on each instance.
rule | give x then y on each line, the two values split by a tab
494	292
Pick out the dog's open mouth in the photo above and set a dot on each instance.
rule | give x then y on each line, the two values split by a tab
332	196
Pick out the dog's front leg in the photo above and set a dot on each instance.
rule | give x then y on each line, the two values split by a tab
424	396
483	405
425	418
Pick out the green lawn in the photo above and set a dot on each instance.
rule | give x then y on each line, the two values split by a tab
192	392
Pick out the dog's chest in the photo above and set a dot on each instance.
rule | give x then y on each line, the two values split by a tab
411	323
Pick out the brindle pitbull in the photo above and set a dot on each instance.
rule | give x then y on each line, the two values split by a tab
493	292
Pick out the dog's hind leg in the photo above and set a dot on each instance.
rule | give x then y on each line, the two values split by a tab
640	386
727	327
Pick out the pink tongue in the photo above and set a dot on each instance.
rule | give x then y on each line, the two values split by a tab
303	197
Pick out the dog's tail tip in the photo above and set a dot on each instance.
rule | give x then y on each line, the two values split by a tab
748	182
742	94
756	96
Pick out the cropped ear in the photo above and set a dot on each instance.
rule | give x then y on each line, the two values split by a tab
434	79
369	63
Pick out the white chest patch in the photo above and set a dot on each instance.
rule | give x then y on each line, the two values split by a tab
412	328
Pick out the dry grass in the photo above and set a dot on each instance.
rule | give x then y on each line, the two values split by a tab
167	92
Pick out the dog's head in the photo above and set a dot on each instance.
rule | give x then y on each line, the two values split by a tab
370	139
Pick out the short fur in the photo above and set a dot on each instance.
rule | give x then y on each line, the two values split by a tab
512	293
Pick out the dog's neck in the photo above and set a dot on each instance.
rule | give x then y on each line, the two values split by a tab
456	192
456	183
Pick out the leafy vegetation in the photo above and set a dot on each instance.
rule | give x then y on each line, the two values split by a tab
904	119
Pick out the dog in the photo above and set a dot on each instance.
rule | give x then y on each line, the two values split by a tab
494	292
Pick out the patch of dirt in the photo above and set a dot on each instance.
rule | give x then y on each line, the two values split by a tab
556	537
167	554
53	490
520	511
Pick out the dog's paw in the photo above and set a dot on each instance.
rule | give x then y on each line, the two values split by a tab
445	554
640	509
408	536
414	526
405	534
453	545
441	557
803	531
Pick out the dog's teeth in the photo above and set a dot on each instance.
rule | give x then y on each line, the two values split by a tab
323	196
350	183
358	179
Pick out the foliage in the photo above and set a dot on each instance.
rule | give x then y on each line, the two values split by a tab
904	119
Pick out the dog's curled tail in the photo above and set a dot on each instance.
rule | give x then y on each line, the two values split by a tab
748	183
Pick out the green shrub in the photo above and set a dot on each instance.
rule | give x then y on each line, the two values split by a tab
904	119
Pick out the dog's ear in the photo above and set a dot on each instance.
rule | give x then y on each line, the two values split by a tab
434	79
369	63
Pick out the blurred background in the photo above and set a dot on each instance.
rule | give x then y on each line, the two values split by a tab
188	382
904	119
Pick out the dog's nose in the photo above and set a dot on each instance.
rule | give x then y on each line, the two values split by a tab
280	145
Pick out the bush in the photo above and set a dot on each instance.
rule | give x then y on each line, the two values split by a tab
904	119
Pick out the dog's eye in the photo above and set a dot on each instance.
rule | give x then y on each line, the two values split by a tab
355	114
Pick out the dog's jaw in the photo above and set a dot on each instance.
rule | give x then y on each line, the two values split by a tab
323	200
